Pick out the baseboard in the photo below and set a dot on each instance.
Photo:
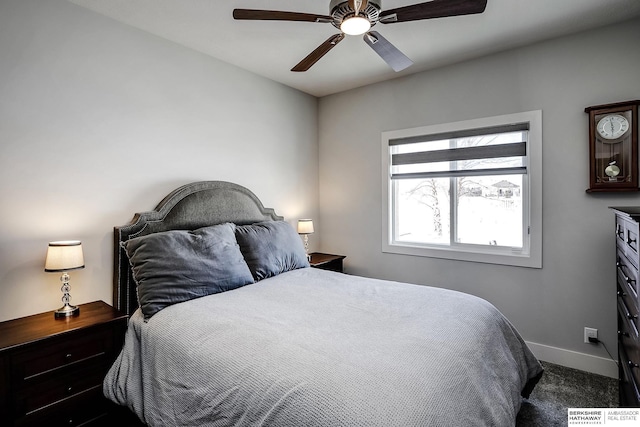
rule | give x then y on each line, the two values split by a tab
573	359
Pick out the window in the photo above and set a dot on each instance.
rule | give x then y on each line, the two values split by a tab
468	190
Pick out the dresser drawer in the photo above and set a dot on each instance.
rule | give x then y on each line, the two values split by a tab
58	353
628	334
631	242
627	239
630	317
629	388
627	279
621	232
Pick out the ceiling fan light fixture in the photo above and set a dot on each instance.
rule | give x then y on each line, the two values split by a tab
355	25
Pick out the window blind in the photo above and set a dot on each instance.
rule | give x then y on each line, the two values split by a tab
465	133
477	152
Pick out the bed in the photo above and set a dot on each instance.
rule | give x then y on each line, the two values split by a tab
294	346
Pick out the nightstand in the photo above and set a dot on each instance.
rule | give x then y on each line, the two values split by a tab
327	261
51	370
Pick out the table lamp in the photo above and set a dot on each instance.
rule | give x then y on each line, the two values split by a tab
305	227
64	256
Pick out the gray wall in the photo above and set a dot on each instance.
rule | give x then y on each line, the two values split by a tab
575	288
99	121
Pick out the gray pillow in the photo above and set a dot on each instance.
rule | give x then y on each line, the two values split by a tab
175	266
271	248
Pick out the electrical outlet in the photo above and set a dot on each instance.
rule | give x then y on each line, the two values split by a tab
590	333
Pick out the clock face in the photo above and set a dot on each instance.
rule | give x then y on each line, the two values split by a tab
612	126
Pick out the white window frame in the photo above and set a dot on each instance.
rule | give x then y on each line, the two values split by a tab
531	255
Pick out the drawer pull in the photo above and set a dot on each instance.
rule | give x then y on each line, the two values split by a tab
621	268
633	365
68	356
624	334
632	316
630	241
69	390
622	294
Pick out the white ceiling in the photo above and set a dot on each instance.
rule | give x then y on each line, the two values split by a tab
272	48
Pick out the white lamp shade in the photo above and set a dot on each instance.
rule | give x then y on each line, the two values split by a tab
305	226
64	255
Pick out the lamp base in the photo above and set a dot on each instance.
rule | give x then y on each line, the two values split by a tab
66	311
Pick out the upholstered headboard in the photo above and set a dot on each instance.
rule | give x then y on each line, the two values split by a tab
191	206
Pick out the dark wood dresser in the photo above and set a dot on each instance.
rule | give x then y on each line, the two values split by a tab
627	266
51	370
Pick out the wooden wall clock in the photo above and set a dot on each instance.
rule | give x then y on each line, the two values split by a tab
613	146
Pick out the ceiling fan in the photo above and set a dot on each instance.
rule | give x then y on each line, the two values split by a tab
356	17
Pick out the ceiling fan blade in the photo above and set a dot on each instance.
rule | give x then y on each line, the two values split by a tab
433	9
388	52
276	15
320	51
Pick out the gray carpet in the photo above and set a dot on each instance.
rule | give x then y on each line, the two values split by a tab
562	388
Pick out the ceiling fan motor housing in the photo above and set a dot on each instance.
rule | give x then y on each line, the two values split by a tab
340	10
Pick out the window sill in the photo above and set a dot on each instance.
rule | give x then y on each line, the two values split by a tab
501	257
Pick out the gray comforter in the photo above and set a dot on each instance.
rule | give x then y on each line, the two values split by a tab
317	348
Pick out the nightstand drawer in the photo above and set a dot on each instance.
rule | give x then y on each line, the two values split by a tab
59	385
60	352
83	409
